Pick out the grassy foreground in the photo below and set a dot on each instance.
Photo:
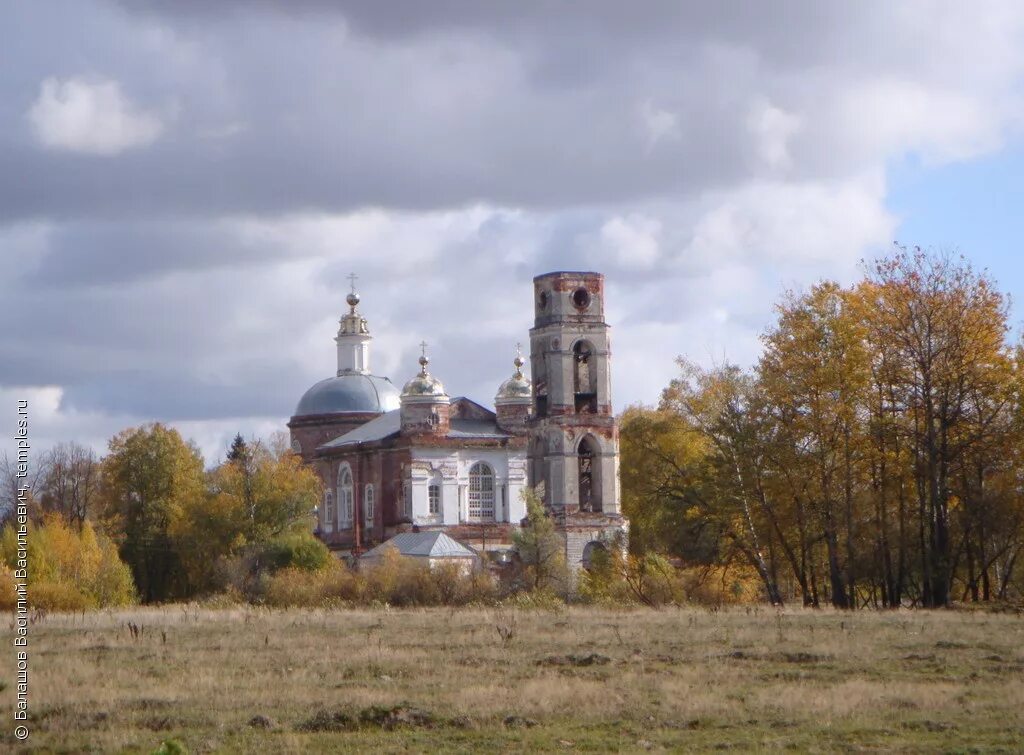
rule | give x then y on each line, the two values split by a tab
252	680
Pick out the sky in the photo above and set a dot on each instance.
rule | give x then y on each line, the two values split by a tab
185	186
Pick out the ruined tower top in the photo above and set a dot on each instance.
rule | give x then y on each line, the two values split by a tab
566	296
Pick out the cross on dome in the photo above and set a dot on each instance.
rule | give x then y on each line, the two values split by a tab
424	359
353	297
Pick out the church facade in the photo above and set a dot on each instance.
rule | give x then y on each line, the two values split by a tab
419	460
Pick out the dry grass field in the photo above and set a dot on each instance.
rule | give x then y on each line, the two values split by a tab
580	679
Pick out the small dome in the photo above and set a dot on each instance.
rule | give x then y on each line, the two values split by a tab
424	384
517	386
349	393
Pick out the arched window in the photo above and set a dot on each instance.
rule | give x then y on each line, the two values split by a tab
368	504
434	499
481	493
584	378
328	507
594	551
589	476
539	368
344	497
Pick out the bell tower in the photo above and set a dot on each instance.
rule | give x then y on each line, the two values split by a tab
573	456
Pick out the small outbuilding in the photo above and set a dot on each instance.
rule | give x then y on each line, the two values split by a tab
429	548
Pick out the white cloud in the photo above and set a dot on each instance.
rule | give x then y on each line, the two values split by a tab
890	116
658	124
91	117
772	128
793	223
632	240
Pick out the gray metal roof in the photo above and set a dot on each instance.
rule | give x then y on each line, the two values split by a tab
423	545
475	428
390	423
378	428
349	393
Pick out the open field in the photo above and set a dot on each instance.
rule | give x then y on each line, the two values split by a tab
573	680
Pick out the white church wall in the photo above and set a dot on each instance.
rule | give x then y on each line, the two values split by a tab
453	467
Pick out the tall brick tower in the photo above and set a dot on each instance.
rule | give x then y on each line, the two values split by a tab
573	456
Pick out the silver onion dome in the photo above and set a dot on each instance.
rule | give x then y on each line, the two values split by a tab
516	387
424	384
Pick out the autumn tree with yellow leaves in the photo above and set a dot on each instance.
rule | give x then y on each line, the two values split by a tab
871	457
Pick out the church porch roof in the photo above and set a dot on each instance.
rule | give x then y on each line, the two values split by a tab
423	545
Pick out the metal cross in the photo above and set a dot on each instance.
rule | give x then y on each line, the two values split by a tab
423	347
519	349
352	277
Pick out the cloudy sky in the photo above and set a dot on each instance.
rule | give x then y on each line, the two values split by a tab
184	186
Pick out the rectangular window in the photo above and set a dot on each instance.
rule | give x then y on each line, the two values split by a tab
434	498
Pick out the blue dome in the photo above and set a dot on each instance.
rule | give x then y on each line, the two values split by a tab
349	394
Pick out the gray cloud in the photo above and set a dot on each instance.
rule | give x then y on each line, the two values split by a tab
434	109
703	156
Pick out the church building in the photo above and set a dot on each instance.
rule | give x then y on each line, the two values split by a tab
418	460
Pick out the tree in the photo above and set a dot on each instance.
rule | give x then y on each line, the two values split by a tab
70	482
873	454
945	324
12	479
724	408
150	475
257	507
813	376
239	449
541	549
662	458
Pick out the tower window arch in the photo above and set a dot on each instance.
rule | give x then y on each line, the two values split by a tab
593	553
344	497
584	377
481	493
539	366
369	502
589	471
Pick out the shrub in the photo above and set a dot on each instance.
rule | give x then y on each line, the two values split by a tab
541	550
57	596
70	569
647	579
382	577
394	580
722	585
457	587
170	747
8	595
294	586
301	551
538	600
